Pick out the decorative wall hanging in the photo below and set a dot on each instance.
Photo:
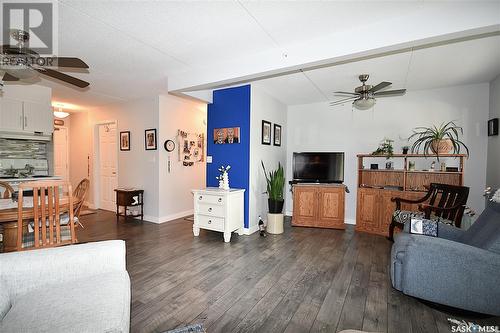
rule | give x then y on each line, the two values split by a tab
226	135
493	127
150	139
277	135
125	141
191	147
266	132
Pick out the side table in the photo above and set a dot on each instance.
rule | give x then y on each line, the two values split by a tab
129	198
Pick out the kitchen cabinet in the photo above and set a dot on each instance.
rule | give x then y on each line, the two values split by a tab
25	117
318	205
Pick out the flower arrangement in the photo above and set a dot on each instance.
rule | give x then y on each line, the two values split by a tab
223	177
385	148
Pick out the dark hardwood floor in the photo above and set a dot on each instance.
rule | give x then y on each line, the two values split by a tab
305	280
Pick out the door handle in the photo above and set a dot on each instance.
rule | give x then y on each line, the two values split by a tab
114	173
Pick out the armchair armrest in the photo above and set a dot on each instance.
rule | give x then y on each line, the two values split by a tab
29	270
451	273
400	200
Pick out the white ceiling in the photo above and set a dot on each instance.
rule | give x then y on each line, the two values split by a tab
473	61
133	46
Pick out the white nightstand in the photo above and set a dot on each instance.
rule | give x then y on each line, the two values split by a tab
219	210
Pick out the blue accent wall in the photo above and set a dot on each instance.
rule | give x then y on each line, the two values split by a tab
230	108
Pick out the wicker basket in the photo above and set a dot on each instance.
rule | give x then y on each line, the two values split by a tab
443	146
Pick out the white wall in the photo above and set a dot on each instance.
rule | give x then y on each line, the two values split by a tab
165	196
175	198
319	127
493	170
263	107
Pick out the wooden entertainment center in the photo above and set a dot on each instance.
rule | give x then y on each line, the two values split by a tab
376	187
318	205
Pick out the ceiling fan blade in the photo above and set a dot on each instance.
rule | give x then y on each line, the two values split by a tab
346	93
63	77
70	62
8	77
342	101
390	93
380	86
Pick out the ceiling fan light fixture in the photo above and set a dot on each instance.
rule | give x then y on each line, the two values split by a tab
21	72
364	103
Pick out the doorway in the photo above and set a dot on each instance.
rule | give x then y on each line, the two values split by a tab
107	165
61	153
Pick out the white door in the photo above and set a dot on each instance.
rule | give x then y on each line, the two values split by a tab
11	115
108	160
61	164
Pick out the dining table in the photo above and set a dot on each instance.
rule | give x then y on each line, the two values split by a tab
9	216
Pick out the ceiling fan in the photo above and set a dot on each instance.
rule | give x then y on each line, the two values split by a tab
364	96
20	62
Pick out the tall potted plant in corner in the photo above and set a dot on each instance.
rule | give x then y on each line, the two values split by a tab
438	140
275	185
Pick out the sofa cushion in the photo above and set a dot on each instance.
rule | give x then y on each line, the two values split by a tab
4	298
485	232
100	303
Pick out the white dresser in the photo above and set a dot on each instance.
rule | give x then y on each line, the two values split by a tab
218	210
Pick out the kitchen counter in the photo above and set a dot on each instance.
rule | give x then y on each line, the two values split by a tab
25	179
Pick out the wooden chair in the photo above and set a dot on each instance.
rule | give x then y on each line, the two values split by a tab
8	190
45	215
445	203
80	194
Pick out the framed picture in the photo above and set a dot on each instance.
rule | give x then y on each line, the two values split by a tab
226	135
125	140
266	132
150	139
277	135
493	127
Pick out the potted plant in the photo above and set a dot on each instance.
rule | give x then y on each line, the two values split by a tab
438	140
385	148
275	185
405	149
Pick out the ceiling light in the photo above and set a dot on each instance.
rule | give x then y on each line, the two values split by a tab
364	103
60	113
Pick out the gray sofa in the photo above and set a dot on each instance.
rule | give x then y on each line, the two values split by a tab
458	268
77	288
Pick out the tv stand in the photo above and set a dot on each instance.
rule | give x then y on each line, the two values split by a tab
318	205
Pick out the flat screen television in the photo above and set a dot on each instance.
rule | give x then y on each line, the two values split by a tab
318	167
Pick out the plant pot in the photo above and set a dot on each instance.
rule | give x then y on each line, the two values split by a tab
443	146
405	151
275	206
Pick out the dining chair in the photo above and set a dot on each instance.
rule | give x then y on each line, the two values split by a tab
7	190
44	217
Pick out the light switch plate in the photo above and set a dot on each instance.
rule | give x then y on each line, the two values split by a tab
209	159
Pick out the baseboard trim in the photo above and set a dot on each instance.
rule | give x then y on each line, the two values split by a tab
350	221
250	230
168	218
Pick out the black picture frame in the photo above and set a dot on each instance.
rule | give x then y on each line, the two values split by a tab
266	133
493	127
125	141
277	135
150	140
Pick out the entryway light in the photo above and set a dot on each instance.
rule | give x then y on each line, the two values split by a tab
60	113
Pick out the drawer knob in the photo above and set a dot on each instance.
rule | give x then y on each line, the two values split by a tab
210	209
209	221
200	197
220	200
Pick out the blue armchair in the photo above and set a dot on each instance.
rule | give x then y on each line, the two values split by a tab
458	268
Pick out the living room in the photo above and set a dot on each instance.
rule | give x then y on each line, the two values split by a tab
284	175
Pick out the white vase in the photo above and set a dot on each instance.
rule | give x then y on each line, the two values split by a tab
225	181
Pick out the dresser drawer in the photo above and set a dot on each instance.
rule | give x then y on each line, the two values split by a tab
210	222
210	209
210	199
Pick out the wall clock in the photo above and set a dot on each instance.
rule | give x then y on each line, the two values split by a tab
169	145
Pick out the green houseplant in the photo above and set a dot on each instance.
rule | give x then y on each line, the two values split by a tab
438	140
385	148
275	185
